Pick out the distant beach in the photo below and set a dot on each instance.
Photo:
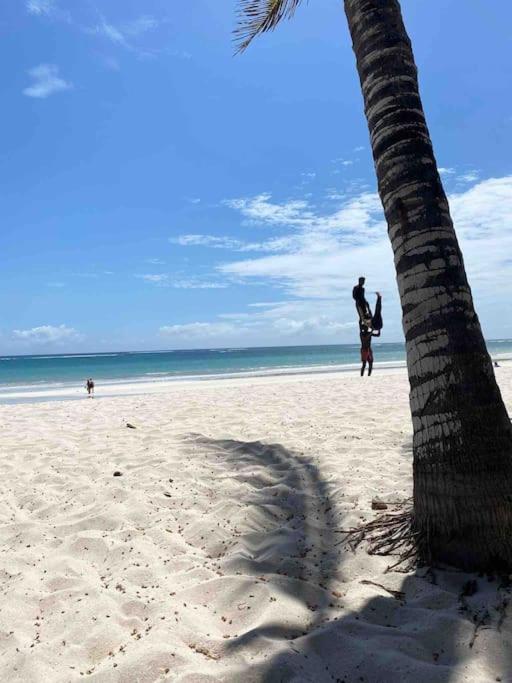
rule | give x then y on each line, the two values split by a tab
50	377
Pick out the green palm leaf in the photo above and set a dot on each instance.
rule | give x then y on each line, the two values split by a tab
259	16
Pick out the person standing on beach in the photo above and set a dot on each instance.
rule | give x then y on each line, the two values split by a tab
90	387
362	306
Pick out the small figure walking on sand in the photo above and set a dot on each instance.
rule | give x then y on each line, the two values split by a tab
89	385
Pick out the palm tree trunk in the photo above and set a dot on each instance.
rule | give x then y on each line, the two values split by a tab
462	433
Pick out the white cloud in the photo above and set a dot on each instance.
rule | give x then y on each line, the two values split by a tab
267	304
328	250
46	81
469	177
357	217
223	242
141	25
281	322
482	218
261	209
207	241
197	330
155	278
446	171
122	33
198	284
47	334
164	280
40	7
110	32
48	9
155	261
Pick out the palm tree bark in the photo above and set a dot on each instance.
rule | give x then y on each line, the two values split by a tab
462	434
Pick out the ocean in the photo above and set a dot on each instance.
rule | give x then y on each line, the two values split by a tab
33	372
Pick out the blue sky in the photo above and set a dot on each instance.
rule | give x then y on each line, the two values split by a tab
158	192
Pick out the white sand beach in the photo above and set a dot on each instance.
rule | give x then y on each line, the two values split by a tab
216	555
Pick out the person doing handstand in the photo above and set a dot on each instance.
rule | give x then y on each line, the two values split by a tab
366	332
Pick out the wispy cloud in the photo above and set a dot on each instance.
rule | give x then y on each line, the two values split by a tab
469	177
125	34
48	9
155	261
109	31
158	278
198	284
47	334
232	244
343	162
46	81
328	250
446	171
357	217
261	209
177	282
129	35
141	25
197	330
40	7
206	241
281	321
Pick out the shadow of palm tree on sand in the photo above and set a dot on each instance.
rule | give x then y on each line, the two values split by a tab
424	627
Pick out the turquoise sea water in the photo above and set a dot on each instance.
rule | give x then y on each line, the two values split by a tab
70	369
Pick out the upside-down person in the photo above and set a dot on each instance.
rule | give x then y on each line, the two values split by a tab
366	333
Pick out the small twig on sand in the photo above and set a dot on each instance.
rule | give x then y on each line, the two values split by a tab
481	621
398	595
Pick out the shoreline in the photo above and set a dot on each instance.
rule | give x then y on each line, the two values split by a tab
139	386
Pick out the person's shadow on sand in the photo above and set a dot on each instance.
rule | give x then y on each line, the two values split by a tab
425	628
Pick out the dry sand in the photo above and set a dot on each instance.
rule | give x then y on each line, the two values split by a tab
215	555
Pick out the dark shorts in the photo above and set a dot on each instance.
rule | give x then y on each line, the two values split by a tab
366	355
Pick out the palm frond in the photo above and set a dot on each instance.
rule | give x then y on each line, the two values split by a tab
259	16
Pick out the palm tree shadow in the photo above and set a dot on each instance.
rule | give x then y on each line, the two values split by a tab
420	628
293	539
